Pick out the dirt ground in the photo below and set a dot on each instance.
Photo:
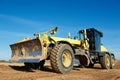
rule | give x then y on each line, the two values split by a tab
17	71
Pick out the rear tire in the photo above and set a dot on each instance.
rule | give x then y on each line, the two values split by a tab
91	65
61	58
84	61
105	61
112	61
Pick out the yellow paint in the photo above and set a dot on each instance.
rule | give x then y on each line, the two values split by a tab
103	49
82	43
25	39
72	41
49	39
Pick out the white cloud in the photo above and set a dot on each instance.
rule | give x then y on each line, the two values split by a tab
7	34
19	20
25	21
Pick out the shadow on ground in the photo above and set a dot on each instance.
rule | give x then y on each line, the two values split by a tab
28	69
22	68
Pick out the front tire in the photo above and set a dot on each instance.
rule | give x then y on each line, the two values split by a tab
61	58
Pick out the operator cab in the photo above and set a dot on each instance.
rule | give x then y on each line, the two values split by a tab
94	38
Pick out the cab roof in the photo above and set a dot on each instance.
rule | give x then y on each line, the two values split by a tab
93	29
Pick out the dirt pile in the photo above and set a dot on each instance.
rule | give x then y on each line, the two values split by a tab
18	71
5	68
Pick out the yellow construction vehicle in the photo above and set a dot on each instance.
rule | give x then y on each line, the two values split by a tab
62	52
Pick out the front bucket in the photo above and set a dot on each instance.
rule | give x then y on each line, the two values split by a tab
27	51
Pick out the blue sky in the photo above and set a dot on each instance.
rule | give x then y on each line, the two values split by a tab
23	18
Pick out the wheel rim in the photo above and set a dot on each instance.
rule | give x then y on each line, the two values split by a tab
66	58
108	62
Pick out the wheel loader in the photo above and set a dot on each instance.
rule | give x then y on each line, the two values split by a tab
62	52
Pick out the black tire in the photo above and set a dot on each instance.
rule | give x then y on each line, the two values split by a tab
105	61
39	65
91	65
112	61
61	58
84	61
